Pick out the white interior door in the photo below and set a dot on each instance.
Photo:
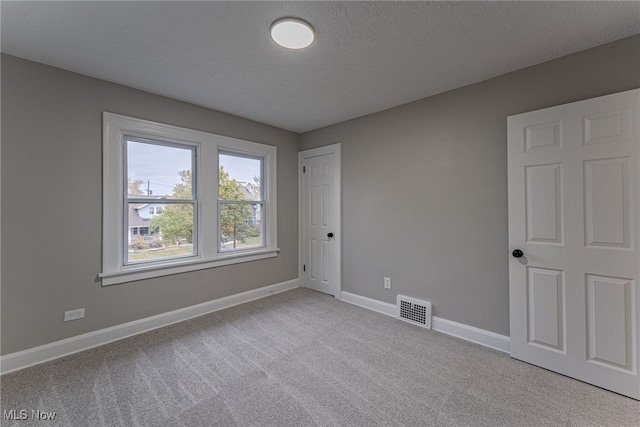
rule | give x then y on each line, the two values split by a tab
574	213
320	219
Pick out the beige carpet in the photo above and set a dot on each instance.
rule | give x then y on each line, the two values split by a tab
302	358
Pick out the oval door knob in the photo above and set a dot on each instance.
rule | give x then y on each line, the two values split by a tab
329	235
517	253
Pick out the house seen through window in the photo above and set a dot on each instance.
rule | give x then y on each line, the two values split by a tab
160	200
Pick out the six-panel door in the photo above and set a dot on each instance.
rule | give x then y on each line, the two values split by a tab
574	212
321	223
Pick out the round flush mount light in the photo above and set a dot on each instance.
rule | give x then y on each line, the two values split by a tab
292	33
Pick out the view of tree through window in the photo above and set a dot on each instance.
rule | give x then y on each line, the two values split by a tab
240	201
160	201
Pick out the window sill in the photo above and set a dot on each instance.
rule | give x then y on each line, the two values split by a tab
182	266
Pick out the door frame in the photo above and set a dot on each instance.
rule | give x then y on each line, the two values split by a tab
337	202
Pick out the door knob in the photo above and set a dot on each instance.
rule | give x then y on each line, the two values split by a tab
517	253
329	235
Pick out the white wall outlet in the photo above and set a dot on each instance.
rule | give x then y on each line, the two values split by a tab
74	314
387	282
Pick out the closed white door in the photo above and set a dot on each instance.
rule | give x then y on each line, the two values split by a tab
574	215
320	220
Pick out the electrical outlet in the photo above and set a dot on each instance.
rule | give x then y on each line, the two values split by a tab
387	282
74	314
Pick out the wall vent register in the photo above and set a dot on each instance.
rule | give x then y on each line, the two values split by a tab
414	311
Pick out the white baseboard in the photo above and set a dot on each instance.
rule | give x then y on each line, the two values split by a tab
370	303
44	353
449	327
471	333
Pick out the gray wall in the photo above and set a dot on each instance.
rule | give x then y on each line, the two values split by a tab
424	188
425	184
51	206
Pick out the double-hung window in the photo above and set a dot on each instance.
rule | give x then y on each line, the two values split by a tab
159	171
240	201
176	200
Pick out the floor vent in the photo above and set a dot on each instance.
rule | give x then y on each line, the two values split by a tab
414	311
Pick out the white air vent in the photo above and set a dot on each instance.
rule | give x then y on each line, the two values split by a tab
414	311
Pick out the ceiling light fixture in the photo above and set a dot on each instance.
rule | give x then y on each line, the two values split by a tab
292	33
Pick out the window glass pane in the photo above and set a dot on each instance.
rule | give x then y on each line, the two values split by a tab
240	177
159	170
166	235
241	226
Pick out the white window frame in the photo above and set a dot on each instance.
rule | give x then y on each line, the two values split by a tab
115	129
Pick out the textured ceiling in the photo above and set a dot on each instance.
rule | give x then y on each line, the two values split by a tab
368	56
